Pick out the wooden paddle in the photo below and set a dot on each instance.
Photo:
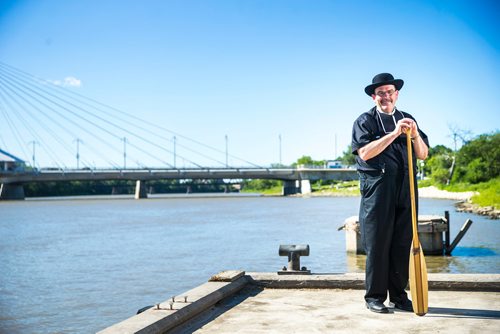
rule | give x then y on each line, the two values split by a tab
418	269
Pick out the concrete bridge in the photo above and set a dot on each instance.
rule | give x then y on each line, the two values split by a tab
296	180
64	119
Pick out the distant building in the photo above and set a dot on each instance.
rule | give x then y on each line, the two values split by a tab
9	162
333	164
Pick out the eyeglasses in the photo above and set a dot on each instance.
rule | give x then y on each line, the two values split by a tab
382	94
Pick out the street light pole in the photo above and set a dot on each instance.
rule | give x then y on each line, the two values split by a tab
175	154
124	152
78	141
34	142
279	136
227	165
335	157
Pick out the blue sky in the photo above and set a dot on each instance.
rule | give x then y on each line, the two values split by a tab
255	70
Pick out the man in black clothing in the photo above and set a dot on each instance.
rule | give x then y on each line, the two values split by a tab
379	143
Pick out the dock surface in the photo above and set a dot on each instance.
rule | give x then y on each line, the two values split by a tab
256	310
320	303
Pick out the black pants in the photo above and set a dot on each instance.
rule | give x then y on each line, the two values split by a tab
386	233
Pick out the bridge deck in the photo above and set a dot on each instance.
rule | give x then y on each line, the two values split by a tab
158	174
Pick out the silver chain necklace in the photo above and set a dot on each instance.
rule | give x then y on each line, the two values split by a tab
393	119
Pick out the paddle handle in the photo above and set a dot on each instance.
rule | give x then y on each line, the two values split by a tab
412	188
418	269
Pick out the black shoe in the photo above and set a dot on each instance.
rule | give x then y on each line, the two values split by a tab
404	305
376	306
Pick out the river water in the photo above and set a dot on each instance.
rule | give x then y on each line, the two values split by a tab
80	265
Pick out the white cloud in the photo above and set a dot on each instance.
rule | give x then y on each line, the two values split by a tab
72	81
67	82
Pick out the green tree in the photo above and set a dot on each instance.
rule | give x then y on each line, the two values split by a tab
438	167
476	171
347	157
260	184
440	149
438	164
479	159
308	161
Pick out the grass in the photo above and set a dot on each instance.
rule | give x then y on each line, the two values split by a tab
489	192
274	191
425	183
344	188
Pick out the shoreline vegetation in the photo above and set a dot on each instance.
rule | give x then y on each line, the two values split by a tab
469	175
464	199
482	198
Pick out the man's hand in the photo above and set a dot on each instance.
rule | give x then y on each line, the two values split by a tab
376	147
404	124
419	146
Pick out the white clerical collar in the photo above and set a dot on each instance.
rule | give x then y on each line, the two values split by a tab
389	114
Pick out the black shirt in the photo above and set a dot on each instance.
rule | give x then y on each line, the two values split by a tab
373	125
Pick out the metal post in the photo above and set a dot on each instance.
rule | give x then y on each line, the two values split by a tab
459	236
34	154
447	233
175	154
124	152
335	157
227	165
78	154
280	147
34	142
78	141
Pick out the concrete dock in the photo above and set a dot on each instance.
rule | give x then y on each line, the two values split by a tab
235	301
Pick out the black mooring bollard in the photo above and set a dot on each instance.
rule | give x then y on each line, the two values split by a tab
294	252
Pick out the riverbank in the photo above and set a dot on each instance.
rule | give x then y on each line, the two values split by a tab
489	211
463	198
426	192
464	203
434	192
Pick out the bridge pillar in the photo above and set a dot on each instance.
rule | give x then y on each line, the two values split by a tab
290	188
140	190
305	187
296	187
11	191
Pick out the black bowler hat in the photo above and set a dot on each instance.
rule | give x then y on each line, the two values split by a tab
381	80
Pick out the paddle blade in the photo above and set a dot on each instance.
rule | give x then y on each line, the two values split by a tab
418	280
